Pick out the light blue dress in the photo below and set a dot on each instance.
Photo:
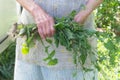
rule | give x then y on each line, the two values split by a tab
32	66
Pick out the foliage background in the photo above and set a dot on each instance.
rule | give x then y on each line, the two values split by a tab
108	22
107	18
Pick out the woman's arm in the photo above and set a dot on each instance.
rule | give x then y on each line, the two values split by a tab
44	21
90	6
30	5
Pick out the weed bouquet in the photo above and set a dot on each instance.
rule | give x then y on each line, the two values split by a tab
69	34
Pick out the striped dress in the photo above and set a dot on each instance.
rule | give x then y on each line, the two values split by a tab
32	66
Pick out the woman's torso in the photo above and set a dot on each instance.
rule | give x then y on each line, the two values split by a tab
59	8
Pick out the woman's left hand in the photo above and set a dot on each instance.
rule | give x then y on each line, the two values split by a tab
81	16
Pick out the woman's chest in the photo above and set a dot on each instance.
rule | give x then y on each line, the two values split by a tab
60	8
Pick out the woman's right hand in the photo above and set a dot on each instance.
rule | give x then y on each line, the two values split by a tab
44	23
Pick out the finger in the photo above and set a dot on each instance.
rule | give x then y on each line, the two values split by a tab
40	31
44	30
75	18
52	30
48	28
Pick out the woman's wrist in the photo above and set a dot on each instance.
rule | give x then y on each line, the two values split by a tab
39	14
92	5
36	10
87	12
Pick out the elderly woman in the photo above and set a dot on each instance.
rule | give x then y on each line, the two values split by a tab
41	12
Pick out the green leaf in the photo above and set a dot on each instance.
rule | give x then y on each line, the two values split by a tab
57	43
49	41
52	54
22	31
83	57
69	34
87	69
30	41
109	45
62	40
46	49
56	38
47	59
53	62
98	67
72	14
28	32
59	25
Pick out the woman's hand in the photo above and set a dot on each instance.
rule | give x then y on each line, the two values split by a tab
90	6
43	20
81	16
44	23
